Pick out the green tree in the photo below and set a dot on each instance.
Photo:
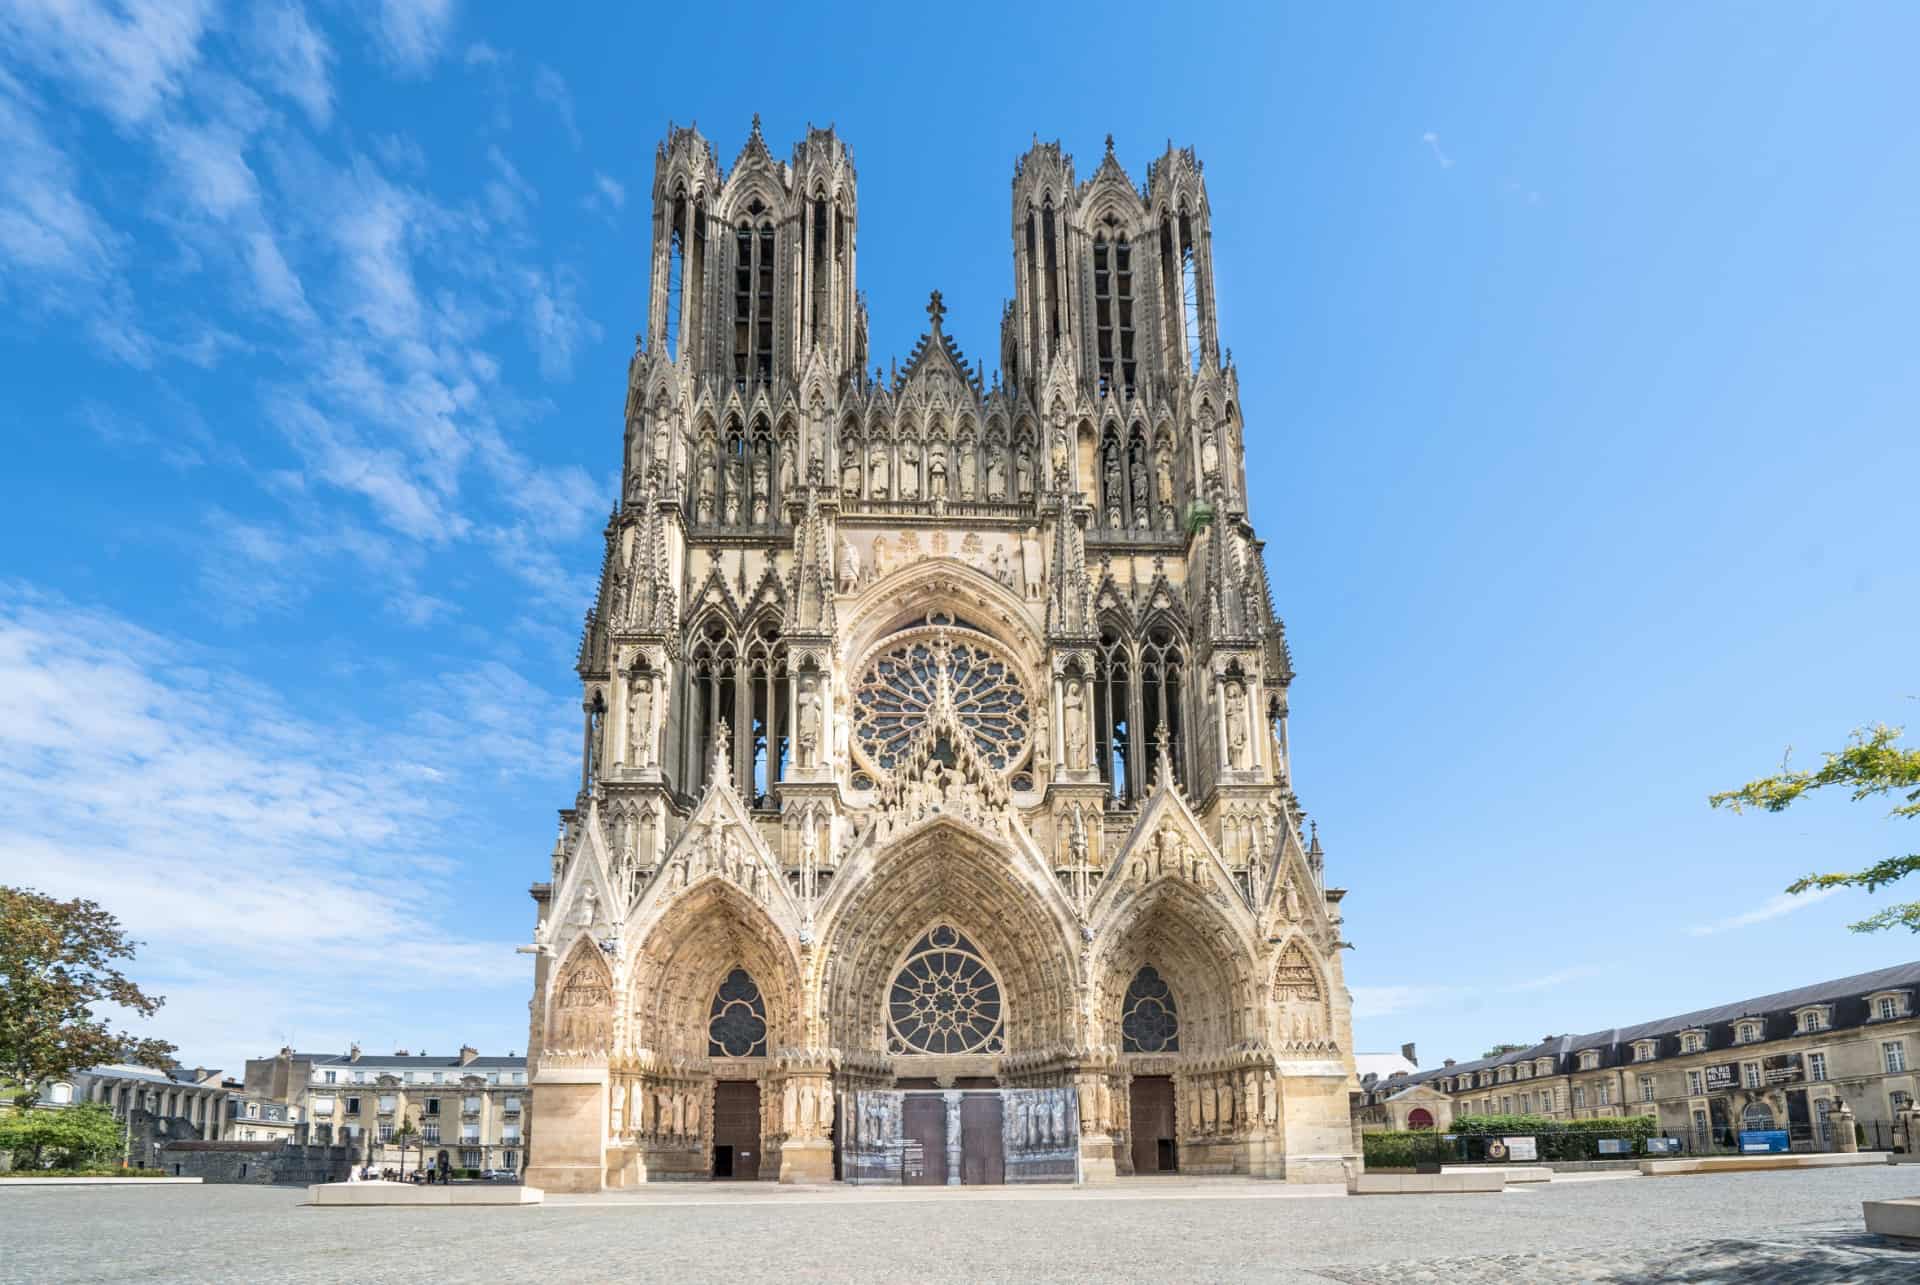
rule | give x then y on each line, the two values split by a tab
82	1136
1873	764
1499	1049
56	963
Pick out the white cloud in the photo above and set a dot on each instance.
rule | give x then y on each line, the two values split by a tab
608	197
555	322
1784	903
238	837
1383	1001
295	58
482	54
1432	140
551	88
45	225
1560	977
411	32
129	58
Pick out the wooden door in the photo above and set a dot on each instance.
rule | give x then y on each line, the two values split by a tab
983	1156
736	1129
924	1122
1155	1144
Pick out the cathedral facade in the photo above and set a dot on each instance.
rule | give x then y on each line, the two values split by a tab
935	818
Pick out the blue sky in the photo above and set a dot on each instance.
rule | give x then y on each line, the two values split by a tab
1576	349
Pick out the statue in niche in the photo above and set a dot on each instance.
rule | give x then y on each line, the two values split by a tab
1113	487
662	443
1236	715
996	470
788	484
1137	477
1023	469
708	480
1209	453
850	467
736	481
937	471
966	462
1163	483
849	566
1290	899
910	469
809	720
761	497
1042	737
1074	722
1059	455
636	439
877	470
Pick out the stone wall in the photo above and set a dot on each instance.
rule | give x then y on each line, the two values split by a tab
264	1163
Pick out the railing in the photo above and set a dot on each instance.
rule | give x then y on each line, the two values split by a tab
1424	1148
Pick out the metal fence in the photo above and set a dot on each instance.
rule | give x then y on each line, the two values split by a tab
1425	1150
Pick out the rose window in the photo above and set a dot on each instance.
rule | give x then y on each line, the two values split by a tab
902	684
944	999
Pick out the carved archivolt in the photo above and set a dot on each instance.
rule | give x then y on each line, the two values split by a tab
686	958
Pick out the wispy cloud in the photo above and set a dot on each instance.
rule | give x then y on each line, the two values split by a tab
411	32
1557	978
126	58
550	87
1384	1001
1432	140
608	197
1784	903
295	57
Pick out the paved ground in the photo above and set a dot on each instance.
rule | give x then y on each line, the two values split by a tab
1732	1227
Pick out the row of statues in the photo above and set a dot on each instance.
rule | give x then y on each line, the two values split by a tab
935	469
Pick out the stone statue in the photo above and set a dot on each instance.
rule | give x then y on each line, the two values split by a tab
736	482
662	444
1023	470
996	471
1059	456
708	475
849	467
1137	477
1290	897
1209	452
998	563
787	483
937	472
967	463
1075	724
809	720
633	721
849	566
1112	496
1236	714
910	469
877	470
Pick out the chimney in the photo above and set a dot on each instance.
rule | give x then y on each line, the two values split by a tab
1447	1063
353	1052
1406	1051
401	1053
468	1053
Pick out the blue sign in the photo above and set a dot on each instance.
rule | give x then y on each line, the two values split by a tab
1662	1146
1763	1140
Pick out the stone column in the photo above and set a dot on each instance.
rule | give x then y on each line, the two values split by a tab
952	1098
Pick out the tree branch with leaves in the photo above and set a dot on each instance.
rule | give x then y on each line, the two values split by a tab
1874	764
56	963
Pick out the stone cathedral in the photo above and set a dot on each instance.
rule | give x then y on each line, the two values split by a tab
935	819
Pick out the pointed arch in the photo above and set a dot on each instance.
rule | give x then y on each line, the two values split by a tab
1202	957
701	937
580	1005
1301	1001
737	1019
1149	1015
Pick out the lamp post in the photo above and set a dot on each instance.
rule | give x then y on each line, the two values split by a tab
404	1135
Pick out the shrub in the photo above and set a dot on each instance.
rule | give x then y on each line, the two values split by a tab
82	1136
1465	1141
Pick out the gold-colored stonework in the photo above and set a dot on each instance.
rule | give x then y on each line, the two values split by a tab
934	728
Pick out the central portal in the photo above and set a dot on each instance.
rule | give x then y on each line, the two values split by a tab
951	1137
736	1130
1155	1145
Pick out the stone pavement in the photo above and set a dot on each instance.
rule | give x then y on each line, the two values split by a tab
1739	1227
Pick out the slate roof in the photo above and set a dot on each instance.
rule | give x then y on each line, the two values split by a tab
413	1062
1846	994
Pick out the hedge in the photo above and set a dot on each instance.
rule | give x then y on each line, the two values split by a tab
1465	1141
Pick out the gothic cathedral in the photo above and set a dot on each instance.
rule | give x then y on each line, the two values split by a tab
935	819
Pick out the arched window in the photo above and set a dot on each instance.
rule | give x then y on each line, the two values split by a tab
1758	1116
766	672
821	275
1162	680
763	307
944	999
1033	283
676	274
752	299
1149	1022
711	675
1052	250
1189	293
1113	715
737	1022
1113	313
1419	1118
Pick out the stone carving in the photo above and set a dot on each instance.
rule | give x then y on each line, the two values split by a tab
910	469
967	462
1236	716
996	471
877	470
1074	702
1023	470
808	720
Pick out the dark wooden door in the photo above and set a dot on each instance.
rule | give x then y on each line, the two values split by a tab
1155	1145
925	1124
736	1129
983	1156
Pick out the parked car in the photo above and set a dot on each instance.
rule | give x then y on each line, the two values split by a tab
501	1175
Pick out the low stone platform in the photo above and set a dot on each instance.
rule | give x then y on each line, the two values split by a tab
1514	1173
98	1182
1468	1179
1747	1164
371	1194
1897	1220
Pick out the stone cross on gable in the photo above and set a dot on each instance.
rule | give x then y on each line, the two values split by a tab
935	309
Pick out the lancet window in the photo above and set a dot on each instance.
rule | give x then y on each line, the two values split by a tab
1189	293
737	1022
753	262
676	274
712	673
1149	1019
1049	230
767	717
821	273
1113	714
1139	690
1113	313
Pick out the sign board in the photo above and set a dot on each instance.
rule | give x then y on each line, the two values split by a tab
1615	1147
913	1159
1724	1076
1782	1068
1521	1148
1662	1146
1763	1140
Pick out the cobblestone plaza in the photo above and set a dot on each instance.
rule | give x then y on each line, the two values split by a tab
1762	1226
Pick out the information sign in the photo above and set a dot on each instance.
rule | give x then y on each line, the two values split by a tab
1763	1140
1522	1148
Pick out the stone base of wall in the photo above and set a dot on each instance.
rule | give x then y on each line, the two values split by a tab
264	1163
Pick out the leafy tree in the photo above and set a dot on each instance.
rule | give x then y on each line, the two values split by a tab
1499	1049
1872	764
82	1136
57	962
